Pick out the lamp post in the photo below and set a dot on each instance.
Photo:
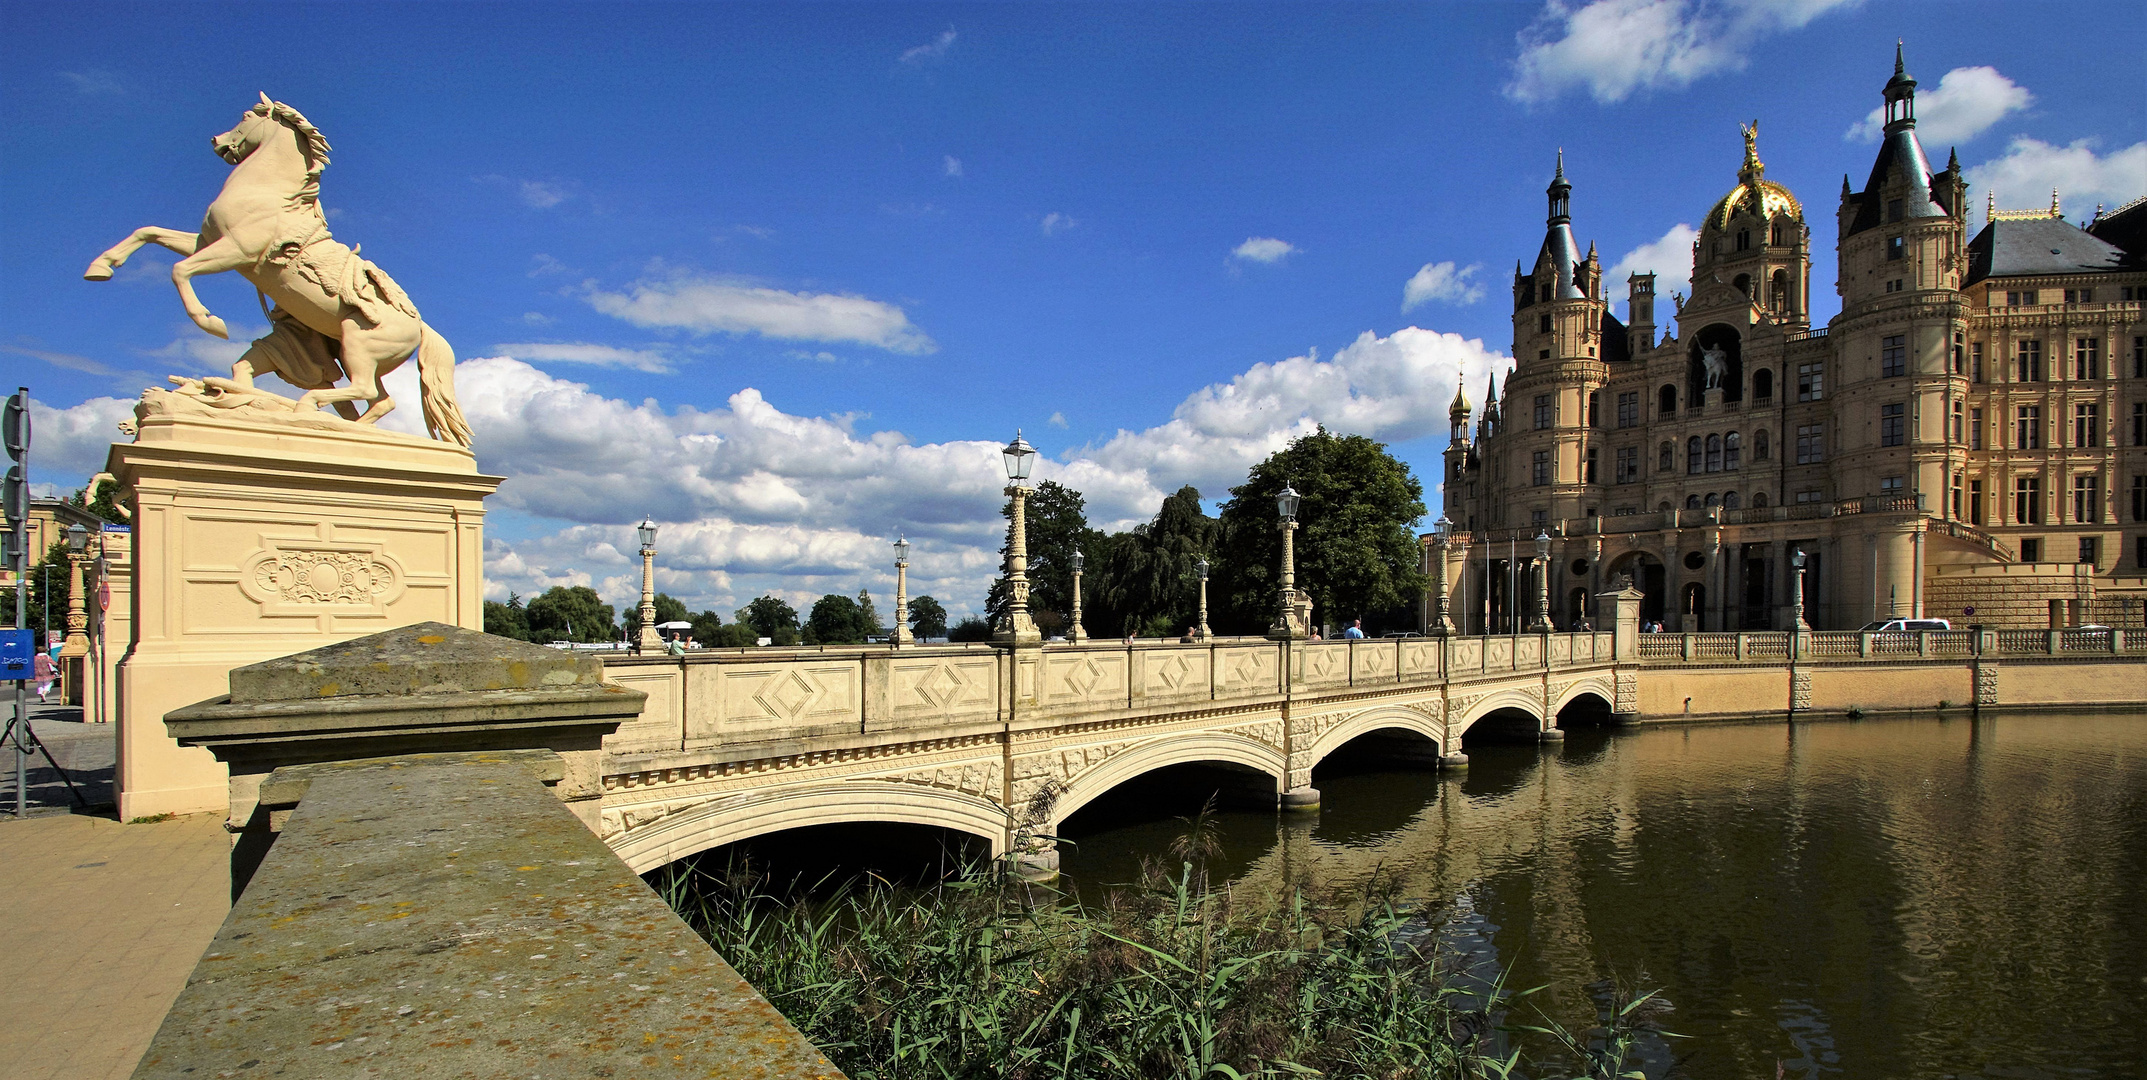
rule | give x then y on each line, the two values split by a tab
1796	592
1077	635
76	648
1016	628
902	635
1289	623
649	639
1442	623
1200	632
1542	625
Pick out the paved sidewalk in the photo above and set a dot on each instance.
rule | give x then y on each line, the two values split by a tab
105	922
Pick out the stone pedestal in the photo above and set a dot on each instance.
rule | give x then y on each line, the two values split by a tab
256	537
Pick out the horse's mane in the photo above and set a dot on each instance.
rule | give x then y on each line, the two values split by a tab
310	140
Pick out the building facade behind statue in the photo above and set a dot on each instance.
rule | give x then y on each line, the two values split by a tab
1967	440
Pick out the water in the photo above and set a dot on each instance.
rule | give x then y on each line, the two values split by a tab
1899	898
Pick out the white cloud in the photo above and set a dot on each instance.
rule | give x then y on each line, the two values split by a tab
120	378
543	195
2023	178
820	356
1615	47
930	50
1057	420
954	165
537	318
1440	281
94	81
654	363
1669	259
215	355
710	305
68	446
1055	223
1966	102
1263	249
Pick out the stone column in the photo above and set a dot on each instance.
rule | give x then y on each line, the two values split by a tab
74	651
1077	635
650	642
1441	623
904	636
1018	628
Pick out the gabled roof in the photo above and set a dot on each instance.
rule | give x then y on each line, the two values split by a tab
2125	227
2038	247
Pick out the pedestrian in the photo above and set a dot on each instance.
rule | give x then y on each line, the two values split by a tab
44	671
1355	631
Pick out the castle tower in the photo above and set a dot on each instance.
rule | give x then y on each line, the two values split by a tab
1755	241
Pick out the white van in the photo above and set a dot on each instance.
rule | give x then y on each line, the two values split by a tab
1904	626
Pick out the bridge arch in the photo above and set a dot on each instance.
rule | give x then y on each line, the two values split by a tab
1383	718
731	818
1505	715
1215	747
1601	688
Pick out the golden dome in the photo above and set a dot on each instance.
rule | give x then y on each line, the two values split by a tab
1754	193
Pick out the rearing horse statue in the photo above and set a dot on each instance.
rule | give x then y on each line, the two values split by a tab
335	314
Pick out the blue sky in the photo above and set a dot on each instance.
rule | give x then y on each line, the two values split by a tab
784	275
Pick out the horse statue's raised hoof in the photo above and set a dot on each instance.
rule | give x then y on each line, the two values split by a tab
100	270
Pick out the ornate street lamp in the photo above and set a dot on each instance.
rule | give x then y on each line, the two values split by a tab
1201	633
1442	623
1016	628
649	640
76	647
1796	592
1077	635
902	635
1288	622
1543	584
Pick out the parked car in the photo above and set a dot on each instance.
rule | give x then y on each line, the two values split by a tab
1401	634
1904	626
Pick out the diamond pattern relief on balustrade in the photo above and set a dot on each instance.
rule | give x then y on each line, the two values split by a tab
1175	674
1085	678
789	694
943	687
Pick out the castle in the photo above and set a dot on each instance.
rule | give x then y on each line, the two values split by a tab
1966	440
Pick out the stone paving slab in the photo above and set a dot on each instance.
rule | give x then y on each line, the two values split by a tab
105	921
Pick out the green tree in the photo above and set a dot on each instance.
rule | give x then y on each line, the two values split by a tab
731	636
102	505
1356	546
836	620
707	628
1151	579
970	629
571	613
51	588
1056	525
668	609
510	619
869	616
772	619
926	618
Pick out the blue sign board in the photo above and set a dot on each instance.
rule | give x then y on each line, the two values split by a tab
18	648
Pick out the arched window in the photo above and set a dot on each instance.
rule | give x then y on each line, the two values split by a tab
1731	448
1664	505
1711	500
1779	293
1692	502
1693	459
1743	284
1666	399
1759	445
1759	500
1763	384
1777	239
1714	453
1667	460
1729	500
1744	239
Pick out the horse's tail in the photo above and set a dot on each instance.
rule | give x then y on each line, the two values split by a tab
436	389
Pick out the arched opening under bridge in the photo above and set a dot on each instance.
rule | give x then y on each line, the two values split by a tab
1509	726
1585	710
815	860
1375	783
1157	817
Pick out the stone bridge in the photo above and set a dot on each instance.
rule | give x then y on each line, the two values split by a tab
1005	744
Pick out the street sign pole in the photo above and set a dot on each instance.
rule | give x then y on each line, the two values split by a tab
17	496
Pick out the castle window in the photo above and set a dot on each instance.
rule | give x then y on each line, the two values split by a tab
1975	428
1664	458
2027	507
1890	487
1896	247
2139	358
2023	298
1759	445
1629	409
1777	239
2091	550
2079	296
1712	499
1975	502
2029	365
2139	552
1543	411
1744	239
1714	453
1954	436
1956	496
1811	495
2139	424
1731	447
1892	424
2087	425
1763	384
1811	382
1692	502
1544	324
1666	400
1975	361
1628	465
1960	355
1893	209
1730	500
1695	455
2087	499
1595	414
1540	468
1811	443
1778	294
2031	550
2139	497
1759	500
2087	358
1588	469
2028	428
1893	356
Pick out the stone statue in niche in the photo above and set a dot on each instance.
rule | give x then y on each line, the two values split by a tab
336	315
1716	364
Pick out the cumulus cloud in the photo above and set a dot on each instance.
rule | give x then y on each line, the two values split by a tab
1966	102
1263	249
201	352
706	305
120	378
578	352
68	446
543	194
1612	48
2023	177
953	165
1669	259
1055	223
1440	281
930	50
